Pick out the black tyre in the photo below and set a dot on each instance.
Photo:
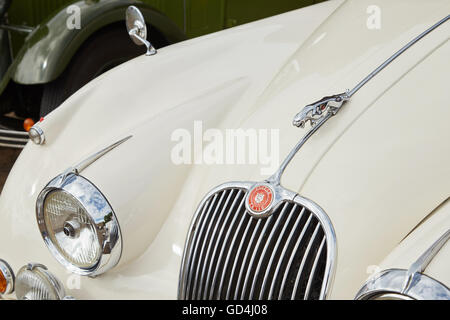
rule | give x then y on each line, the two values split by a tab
104	50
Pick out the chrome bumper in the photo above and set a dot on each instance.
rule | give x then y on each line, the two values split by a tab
13	139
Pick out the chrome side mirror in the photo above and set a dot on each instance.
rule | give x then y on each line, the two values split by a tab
137	29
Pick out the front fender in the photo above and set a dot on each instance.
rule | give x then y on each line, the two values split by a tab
49	49
414	248
422	238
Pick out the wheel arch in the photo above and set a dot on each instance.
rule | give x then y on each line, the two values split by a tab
50	48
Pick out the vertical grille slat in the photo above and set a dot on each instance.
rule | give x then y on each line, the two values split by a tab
255	235
221	240
206	240
215	236
291	258
236	258
268	224
302	264
275	250
232	255
313	270
241	213
263	254
283	254
191	257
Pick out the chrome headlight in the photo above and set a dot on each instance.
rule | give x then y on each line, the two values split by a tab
35	282
78	225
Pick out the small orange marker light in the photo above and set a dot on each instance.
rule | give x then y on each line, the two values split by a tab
3	283
6	278
28	124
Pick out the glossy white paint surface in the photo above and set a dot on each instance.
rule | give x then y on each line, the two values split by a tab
422	238
378	168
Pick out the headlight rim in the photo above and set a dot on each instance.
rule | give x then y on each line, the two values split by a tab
103	217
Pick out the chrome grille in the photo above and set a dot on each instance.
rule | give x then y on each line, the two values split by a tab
13	139
231	255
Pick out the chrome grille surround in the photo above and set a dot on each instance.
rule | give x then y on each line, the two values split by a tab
277	250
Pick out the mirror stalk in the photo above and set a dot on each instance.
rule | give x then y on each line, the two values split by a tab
134	33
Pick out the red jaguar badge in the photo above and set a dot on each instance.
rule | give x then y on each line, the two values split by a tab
260	198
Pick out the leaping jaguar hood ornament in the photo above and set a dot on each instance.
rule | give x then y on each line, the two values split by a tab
316	114
317	111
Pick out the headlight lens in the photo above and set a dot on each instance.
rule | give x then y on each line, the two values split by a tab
34	282
71	230
78	225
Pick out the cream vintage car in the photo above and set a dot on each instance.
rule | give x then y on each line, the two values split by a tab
95	208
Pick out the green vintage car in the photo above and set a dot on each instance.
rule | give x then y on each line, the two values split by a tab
51	48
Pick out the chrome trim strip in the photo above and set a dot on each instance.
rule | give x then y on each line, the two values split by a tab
78	168
391	282
276	177
395	56
90	160
424	260
413	282
321	111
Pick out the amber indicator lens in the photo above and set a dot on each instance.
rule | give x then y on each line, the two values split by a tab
28	124
3	283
